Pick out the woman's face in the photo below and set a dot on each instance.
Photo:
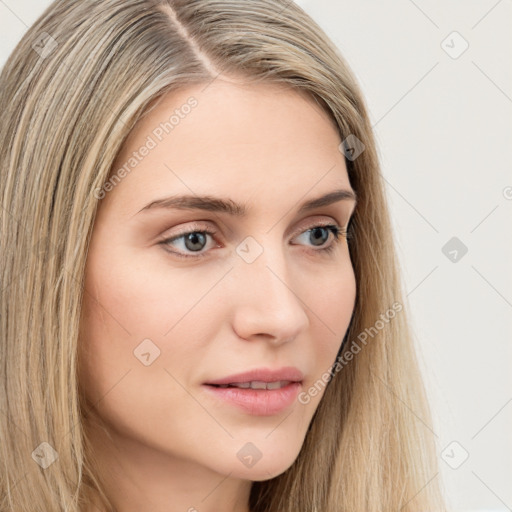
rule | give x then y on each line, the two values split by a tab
164	312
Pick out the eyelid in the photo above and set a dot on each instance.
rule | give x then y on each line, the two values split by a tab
190	227
317	224
197	226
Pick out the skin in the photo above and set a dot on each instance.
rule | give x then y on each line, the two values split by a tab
166	445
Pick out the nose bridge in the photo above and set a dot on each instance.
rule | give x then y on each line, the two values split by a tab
268	302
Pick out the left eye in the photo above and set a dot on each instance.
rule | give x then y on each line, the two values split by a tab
322	233
195	240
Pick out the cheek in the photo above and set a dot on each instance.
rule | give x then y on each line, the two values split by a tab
132	310
338	297
125	318
331	298
331	301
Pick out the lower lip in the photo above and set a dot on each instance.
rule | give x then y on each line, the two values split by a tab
259	402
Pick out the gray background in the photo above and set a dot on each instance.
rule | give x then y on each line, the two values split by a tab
442	118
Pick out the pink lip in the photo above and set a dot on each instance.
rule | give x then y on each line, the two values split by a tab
262	374
259	402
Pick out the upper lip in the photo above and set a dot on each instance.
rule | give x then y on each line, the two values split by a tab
288	373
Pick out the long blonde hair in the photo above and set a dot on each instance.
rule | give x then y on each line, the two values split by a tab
70	93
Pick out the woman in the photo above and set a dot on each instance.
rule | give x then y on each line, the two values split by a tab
173	334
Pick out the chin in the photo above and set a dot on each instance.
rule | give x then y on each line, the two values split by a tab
268	474
263	469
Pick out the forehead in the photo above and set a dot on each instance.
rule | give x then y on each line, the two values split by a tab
231	138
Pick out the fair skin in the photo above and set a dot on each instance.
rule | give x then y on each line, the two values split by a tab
172	446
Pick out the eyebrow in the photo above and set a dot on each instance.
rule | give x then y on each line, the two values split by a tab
217	204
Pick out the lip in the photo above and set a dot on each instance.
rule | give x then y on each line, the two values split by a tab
262	374
258	402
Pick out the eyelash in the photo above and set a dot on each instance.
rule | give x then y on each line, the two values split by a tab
336	230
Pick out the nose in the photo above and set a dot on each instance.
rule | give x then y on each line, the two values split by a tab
266	303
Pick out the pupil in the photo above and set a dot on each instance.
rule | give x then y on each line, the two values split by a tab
193	238
316	231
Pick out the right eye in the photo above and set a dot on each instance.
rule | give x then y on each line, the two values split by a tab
192	240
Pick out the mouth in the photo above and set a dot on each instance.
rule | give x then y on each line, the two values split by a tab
256	384
260	392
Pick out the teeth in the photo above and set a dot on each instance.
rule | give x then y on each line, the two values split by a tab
257	384
277	385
